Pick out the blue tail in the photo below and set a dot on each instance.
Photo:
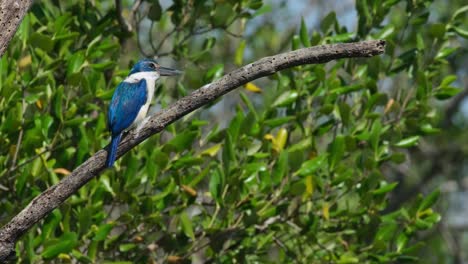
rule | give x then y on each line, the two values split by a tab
112	153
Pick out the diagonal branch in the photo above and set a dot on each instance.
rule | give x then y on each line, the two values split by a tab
51	198
11	14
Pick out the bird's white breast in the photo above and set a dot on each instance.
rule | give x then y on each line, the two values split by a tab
150	78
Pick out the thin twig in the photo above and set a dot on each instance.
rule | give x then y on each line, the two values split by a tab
135	9
124	25
47	149
20	136
140	47
161	43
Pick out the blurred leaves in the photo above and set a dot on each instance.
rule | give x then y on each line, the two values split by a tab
294	169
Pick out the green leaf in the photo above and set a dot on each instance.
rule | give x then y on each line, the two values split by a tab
345	113
386	232
280	168
187	161
437	30
444	53
58	98
182	141
461	32
155	11
386	32
75	63
228	154
444	93
275	122
255	4
249	104
295	42
167	190
41	41
375	133
103	66
429	201
328	22
311	166
385	188
239	56
187	225
103	231
459	12
347	89
401	241
348	258
216	184
64	244
286	98
449	79
214	73
301	145
127	247
408	142
337	151
345	37
429	129
304	35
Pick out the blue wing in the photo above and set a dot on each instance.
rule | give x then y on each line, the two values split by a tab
126	102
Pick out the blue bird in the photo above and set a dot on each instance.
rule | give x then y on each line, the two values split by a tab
131	100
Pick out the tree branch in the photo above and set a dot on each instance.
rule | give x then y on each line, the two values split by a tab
11	15
124	26
51	198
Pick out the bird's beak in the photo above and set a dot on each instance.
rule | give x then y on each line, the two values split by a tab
163	71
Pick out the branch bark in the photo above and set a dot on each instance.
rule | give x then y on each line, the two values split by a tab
51	198
126	27
11	15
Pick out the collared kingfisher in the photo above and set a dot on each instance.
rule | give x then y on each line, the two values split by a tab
131	100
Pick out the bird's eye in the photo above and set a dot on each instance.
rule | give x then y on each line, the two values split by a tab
153	66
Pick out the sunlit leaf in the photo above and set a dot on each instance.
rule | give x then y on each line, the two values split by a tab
187	225
64	244
304	34
326	211
408	142
253	88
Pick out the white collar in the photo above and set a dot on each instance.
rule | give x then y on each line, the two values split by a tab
138	76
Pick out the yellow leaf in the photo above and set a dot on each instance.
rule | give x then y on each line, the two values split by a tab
211	151
269	137
312	155
24	62
389	105
174	259
189	190
428	211
253	88
62	171
39	104
12	150
309	185
64	257
326	211
138	239
281	139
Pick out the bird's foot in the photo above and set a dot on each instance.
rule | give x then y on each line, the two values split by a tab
140	126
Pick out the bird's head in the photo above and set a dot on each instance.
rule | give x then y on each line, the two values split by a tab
152	66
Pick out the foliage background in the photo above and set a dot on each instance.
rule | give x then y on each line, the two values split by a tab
339	163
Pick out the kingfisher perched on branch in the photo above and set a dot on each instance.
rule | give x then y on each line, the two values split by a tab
131	100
